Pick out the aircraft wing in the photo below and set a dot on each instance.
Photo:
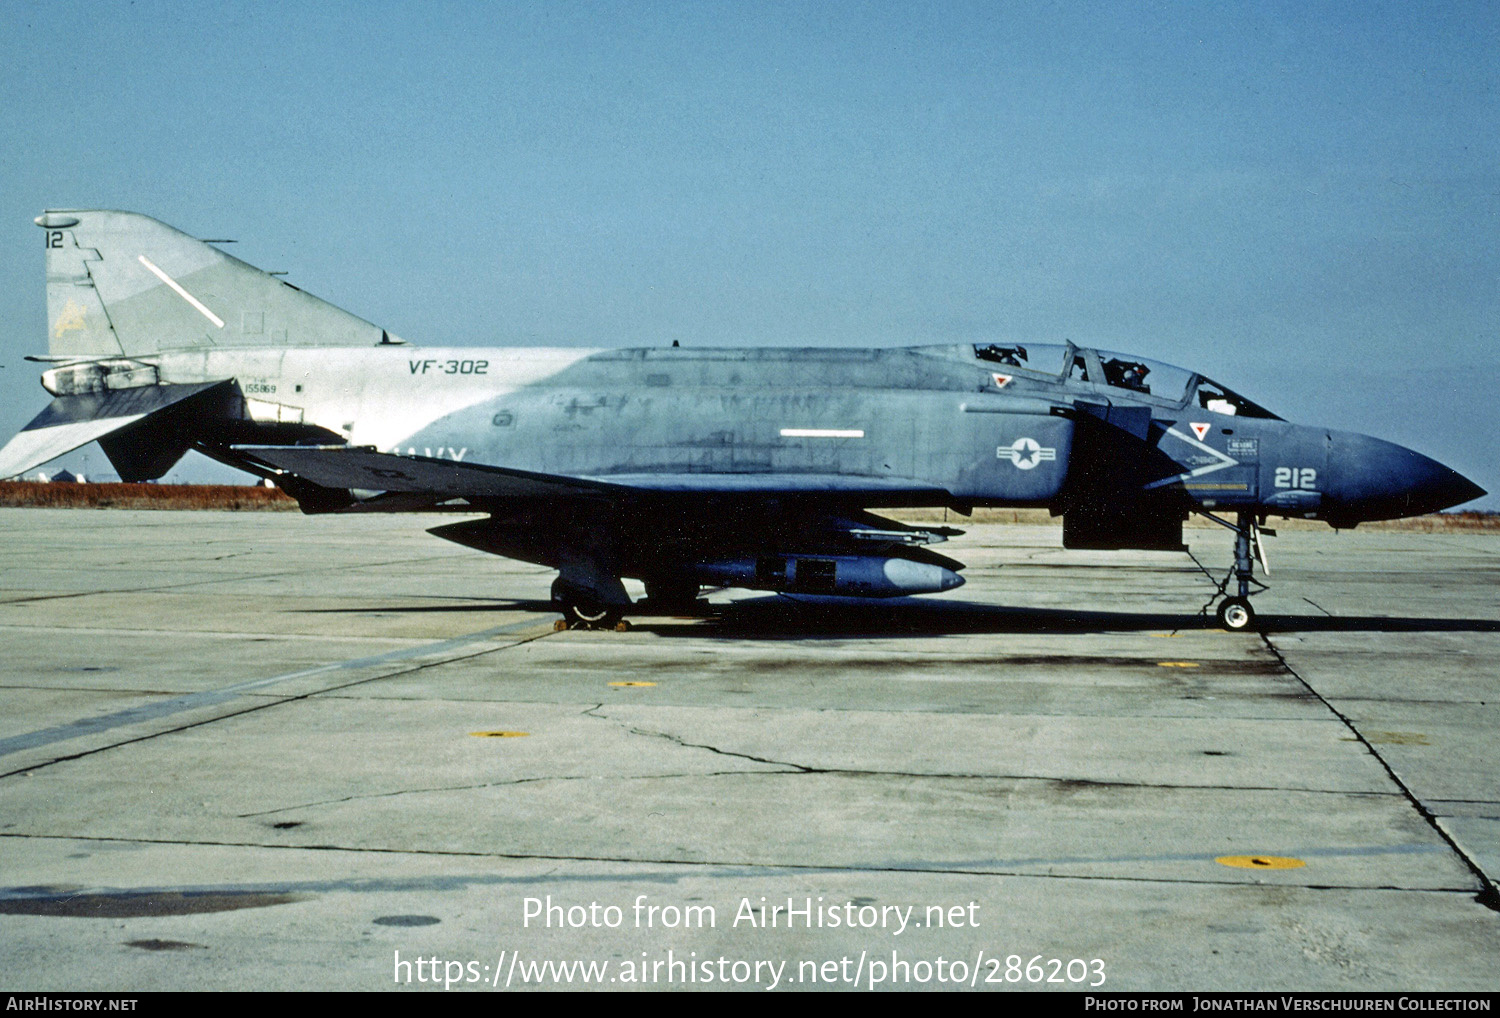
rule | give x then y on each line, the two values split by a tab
367	469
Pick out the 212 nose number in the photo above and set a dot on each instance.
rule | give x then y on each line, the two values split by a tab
1296	477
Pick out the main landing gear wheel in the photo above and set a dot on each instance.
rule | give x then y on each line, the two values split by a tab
1235	614
582	610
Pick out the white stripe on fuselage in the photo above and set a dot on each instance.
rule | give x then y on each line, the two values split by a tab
821	433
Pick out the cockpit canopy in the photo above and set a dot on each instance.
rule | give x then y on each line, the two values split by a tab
1158	382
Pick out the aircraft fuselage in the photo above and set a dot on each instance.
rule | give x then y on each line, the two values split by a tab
932	415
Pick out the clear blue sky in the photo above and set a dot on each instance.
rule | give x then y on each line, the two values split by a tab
1298	199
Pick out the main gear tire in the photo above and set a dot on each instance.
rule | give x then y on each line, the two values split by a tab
582	610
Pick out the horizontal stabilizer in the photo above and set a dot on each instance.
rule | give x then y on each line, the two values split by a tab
72	421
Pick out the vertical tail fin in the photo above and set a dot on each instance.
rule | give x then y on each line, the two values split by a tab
123	284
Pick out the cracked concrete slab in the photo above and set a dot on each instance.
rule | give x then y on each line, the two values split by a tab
1135	751
1066	743
1253	937
963	673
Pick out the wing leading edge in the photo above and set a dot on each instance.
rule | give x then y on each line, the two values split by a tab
367	469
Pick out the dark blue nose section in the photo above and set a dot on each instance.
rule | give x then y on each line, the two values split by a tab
1375	480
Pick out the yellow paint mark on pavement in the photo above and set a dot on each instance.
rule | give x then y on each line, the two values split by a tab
1261	862
1398	738
499	735
1177	664
632	683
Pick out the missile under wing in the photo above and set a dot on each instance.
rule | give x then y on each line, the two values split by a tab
759	468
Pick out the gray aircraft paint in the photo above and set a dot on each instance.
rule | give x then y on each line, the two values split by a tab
678	465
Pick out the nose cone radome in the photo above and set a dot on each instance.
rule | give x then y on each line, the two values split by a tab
1376	480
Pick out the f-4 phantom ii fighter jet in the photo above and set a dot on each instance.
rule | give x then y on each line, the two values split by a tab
681	468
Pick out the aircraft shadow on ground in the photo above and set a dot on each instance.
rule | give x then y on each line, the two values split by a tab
788	617
773	618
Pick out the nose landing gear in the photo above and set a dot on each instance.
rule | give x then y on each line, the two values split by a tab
1235	613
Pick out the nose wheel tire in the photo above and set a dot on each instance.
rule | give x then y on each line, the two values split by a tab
1235	614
